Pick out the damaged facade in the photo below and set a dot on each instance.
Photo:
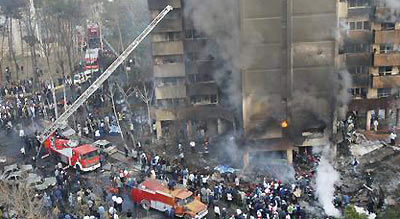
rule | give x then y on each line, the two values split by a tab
287	87
371	53
187	100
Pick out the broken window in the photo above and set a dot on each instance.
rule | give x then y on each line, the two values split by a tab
385	70
357	3
357	48
358	69
193	34
159	60
387	26
386	48
384	92
358	92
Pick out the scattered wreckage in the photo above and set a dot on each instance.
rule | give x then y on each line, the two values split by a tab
18	174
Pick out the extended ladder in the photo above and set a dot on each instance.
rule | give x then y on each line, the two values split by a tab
102	78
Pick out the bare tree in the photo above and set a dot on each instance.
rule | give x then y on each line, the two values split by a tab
4	29
12	10
112	93
22	201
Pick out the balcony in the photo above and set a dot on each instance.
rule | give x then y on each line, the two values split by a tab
159	5
356	36
360	80
388	59
384	14
203	88
390	36
169	70
362	12
167	48
201	67
169	25
358	58
387	81
171	91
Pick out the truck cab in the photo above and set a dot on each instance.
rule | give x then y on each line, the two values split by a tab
84	157
156	194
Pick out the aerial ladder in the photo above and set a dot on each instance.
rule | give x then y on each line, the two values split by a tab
60	121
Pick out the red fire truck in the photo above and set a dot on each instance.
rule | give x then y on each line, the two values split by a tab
156	194
92	61
84	157
93	48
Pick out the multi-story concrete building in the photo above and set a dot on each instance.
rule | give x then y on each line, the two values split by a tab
371	54
186	94
287	83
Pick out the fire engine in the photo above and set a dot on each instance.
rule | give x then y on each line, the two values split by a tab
156	194
83	157
91	61
93	48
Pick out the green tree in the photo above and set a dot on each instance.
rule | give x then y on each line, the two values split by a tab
351	213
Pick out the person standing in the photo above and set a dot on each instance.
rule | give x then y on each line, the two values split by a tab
393	137
21	133
193	146
217	212
376	123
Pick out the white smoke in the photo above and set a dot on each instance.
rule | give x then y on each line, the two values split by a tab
391	3
326	179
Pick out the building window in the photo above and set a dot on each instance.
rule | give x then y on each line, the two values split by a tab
385	70
357	48
387	26
358	69
159	60
196	78
384	92
357	3
367	25
359	25
204	99
386	48
358	92
193	34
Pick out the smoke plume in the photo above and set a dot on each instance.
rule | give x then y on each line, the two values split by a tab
326	179
220	20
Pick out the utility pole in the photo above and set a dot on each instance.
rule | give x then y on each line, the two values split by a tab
53	89
65	98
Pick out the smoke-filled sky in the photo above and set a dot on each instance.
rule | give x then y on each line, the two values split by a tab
221	20
310	104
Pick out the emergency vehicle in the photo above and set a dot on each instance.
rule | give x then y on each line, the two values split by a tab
91	61
83	157
156	194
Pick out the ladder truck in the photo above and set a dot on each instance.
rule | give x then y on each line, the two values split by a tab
101	79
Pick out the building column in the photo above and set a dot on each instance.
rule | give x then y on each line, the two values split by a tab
289	156
221	126
159	129
246	160
397	118
368	120
189	129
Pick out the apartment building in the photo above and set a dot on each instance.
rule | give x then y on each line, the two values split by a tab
186	94
371	50
293	48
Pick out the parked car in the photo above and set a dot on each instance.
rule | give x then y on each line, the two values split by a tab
14	178
47	182
105	146
8	170
33	180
